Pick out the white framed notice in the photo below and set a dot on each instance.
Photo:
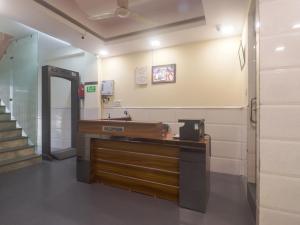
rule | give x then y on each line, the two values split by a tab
141	76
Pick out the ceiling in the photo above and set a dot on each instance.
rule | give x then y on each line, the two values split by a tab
172	22
152	14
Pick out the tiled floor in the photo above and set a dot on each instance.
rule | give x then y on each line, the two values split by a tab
49	194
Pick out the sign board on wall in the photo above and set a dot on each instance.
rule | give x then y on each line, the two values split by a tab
91	88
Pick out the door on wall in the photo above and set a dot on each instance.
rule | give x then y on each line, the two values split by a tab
60	112
252	112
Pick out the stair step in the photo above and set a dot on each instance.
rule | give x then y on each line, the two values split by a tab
19	162
10	153
7	124
2	109
9	133
5	116
15	152
13	142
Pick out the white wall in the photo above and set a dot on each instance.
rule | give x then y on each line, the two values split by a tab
279	200
207	74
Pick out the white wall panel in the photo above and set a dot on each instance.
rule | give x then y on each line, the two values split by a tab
227	126
279	113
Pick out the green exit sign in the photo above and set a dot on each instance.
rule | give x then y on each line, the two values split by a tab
91	88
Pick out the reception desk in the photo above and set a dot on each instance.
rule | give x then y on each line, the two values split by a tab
142	157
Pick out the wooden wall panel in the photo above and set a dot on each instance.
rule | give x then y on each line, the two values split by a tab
154	175
139	185
139	159
148	148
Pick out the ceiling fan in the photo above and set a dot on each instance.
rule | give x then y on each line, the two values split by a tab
122	11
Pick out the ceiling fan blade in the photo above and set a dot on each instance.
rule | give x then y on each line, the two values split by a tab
141	19
103	16
123	4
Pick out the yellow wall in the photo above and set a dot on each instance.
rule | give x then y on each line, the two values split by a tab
208	74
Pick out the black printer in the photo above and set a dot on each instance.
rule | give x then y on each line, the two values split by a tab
192	130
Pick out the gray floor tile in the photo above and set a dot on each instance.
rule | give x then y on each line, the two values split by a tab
49	194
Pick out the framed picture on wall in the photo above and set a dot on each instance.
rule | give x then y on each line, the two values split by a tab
164	74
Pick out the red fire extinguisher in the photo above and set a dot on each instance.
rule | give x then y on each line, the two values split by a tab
81	91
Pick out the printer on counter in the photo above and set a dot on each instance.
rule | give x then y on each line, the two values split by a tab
192	130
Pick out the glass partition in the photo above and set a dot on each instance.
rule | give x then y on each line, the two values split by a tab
5	78
18	83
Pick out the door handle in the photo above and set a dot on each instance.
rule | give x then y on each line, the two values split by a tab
253	110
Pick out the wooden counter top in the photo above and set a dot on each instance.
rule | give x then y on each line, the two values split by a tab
122	128
136	131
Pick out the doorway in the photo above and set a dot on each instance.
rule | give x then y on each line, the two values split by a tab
252	126
49	72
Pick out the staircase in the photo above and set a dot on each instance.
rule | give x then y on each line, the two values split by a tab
15	151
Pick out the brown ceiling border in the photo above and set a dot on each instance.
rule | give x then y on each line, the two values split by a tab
88	30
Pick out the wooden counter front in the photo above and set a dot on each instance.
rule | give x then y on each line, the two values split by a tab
162	167
150	169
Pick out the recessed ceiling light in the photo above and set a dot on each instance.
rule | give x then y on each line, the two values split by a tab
225	29
257	25
155	43
279	48
103	52
296	26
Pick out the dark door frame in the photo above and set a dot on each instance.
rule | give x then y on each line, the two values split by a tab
47	73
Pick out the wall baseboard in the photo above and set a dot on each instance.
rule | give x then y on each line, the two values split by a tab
177	107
